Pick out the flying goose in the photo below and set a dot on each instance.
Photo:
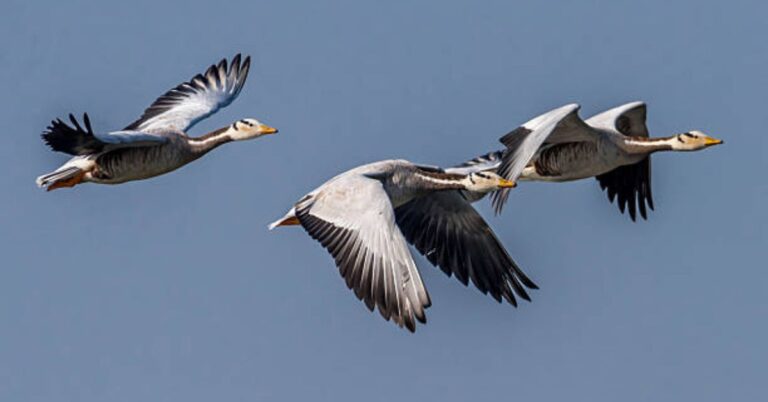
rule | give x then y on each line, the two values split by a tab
366	216
157	142
612	146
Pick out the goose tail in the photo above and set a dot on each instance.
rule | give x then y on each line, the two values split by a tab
287	220
68	175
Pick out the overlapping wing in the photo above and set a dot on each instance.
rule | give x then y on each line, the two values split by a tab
451	234
79	140
522	143
629	185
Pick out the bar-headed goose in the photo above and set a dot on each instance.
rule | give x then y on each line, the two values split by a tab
529	137
612	146
366	216
157	142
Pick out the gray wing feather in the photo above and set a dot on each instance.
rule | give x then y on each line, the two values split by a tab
353	219
482	163
182	107
523	143
627	119
124	138
571	128
629	185
445	228
75	139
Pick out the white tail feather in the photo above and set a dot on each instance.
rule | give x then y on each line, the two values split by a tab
289	215
62	174
66	171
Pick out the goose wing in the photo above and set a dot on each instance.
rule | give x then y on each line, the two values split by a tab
452	235
482	163
559	125
627	119
128	138
188	103
569	127
79	140
352	217
629	185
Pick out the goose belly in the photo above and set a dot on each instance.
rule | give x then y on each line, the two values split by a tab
138	163
570	161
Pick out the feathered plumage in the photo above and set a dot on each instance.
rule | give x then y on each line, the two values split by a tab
366	216
156	143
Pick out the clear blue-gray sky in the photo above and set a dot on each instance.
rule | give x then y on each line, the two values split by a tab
172	289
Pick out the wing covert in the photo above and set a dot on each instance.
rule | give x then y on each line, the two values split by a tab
183	106
452	235
629	185
523	143
353	219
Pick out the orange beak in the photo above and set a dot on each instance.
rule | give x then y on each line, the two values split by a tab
713	141
504	183
267	129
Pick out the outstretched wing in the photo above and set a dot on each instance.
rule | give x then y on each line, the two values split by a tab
482	163
523	143
445	228
627	119
76	140
630	185
353	219
182	107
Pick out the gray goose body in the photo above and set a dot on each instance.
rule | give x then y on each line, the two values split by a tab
578	160
366	216
138	163
157	142
612	146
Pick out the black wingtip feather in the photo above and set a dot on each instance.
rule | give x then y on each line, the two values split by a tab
468	251
630	187
74	139
235	74
337	241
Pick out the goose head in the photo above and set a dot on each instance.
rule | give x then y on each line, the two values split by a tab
693	141
484	182
246	129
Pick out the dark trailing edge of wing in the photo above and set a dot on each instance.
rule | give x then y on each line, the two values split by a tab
348	251
511	141
198	83
514	138
73	140
450	233
631	186
490	157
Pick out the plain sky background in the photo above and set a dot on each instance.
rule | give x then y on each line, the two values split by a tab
172	289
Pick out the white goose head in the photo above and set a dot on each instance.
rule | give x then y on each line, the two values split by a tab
246	129
484	182
693	141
